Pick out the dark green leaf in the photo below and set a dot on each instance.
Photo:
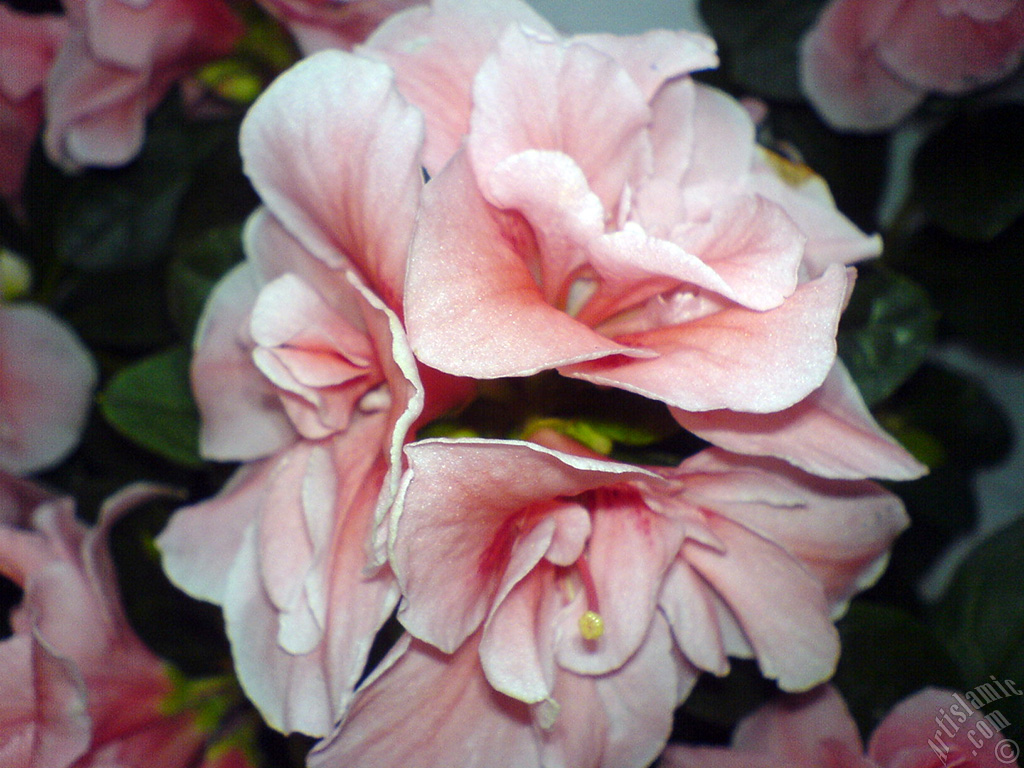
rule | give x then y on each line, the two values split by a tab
759	41
974	285
969	175
150	402
981	617
196	269
119	218
886	332
123	310
887	655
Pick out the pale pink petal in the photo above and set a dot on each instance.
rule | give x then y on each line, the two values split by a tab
734	358
436	53
843	79
841	531
783	611
333	151
47	377
951	54
686	602
241	415
472	306
541	94
201	541
830	433
657	56
444	709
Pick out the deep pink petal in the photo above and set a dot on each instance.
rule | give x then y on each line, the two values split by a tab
472	306
734	358
333	151
830	433
436	53
47	377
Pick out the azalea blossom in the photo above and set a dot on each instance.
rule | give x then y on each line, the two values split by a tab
47	378
78	686
117	63
562	562
867	64
594	210
815	730
302	371
28	45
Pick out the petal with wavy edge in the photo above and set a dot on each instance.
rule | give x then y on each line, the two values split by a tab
830	432
436	53
472	306
443	709
735	357
333	150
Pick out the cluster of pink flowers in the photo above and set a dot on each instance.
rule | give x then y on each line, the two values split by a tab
589	209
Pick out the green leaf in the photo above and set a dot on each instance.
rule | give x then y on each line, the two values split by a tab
981	616
886	332
195	270
887	655
759	41
969	175
150	403
125	217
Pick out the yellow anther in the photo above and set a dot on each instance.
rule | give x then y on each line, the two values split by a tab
591	625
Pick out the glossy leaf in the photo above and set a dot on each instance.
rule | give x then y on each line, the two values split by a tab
150	403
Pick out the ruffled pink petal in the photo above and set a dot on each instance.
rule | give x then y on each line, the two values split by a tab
201	541
537	93
436	52
47	377
840	531
953	54
782	610
830	433
423	708
686	602
43	719
656	56
241	416
466	284
734	358
629	552
333	151
843	79
463	511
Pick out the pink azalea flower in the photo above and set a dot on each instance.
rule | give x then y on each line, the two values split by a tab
867	64
320	24
594	210
28	45
77	686
47	378
423	708
561	562
304	373
815	730
117	63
